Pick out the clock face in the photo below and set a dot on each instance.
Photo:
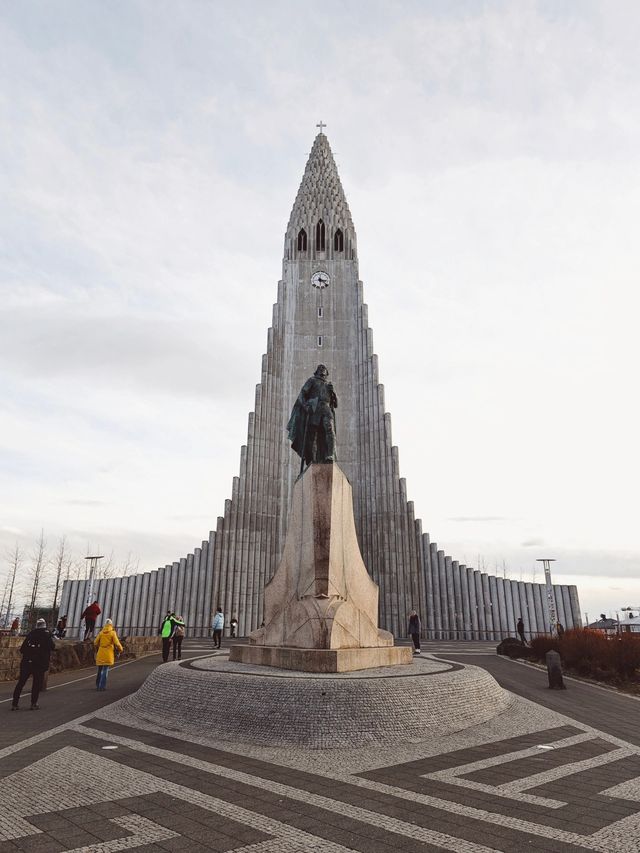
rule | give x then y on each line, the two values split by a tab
320	279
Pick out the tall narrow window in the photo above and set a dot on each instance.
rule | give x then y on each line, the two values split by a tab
319	340
320	312
320	236
302	240
338	241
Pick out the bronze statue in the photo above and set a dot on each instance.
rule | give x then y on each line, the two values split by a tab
312	425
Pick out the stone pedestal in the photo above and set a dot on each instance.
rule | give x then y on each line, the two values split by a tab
321	606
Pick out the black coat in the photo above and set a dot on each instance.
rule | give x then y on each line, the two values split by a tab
37	647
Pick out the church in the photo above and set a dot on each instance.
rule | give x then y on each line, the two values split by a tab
320	317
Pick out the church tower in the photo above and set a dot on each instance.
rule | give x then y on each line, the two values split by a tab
320	317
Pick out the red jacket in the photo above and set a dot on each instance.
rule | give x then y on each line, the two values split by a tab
91	612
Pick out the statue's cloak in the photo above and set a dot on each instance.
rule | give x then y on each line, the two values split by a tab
297	427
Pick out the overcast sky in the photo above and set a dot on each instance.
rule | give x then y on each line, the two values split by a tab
149	157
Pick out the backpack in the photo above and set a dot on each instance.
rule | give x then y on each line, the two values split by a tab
179	632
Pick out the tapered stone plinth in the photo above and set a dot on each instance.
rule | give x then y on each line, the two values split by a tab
321	606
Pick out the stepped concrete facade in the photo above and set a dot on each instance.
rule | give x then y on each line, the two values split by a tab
320	317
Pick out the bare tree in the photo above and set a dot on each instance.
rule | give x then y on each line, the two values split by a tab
62	563
130	565
16	559
3	619
38	568
107	567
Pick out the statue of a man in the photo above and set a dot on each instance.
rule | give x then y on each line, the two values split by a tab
312	425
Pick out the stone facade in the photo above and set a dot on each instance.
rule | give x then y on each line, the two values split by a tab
322	319
278	708
69	654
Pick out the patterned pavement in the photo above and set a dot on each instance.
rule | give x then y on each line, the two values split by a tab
534	778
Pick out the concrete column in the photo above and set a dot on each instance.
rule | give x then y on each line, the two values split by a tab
180	605
209	604
430	620
511	589
437	595
487	606
466	609
473	604
158	602
107	596
539	599
494	608
199	620
444	604
187	590
566	605
531	623
480	601
98	594
81	592
173	584
134	617
150	619
503	621
142	609
122	600
457	599
574	607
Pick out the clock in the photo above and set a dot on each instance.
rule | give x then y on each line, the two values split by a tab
320	279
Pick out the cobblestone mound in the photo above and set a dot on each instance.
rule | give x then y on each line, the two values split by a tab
234	702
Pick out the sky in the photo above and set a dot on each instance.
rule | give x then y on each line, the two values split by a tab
489	151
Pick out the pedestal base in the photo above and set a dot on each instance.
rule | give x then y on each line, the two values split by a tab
322	660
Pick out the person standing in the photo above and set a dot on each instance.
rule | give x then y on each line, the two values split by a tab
166	632
234	627
15	627
36	654
90	614
218	626
61	628
414	631
106	644
178	637
520	630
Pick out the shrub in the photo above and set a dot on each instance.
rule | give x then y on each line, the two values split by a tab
624	654
585	650
592	653
544	643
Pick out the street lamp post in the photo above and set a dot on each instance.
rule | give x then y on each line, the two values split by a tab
551	600
93	565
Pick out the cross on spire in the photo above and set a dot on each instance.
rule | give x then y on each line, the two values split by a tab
321	124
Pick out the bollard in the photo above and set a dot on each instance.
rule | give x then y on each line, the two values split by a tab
554	671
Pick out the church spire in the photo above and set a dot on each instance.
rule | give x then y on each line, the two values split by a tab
320	225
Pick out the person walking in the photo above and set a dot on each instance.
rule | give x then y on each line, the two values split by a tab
178	636
106	644
520	630
90	614
414	631
166	632
36	654
218	626
234	627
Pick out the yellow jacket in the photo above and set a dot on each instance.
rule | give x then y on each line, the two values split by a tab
106	643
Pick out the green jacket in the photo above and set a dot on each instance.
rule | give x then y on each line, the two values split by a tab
169	626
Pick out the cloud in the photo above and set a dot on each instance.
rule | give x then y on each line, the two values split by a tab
147	183
480	518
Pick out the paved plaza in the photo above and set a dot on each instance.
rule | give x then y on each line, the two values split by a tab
554	771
